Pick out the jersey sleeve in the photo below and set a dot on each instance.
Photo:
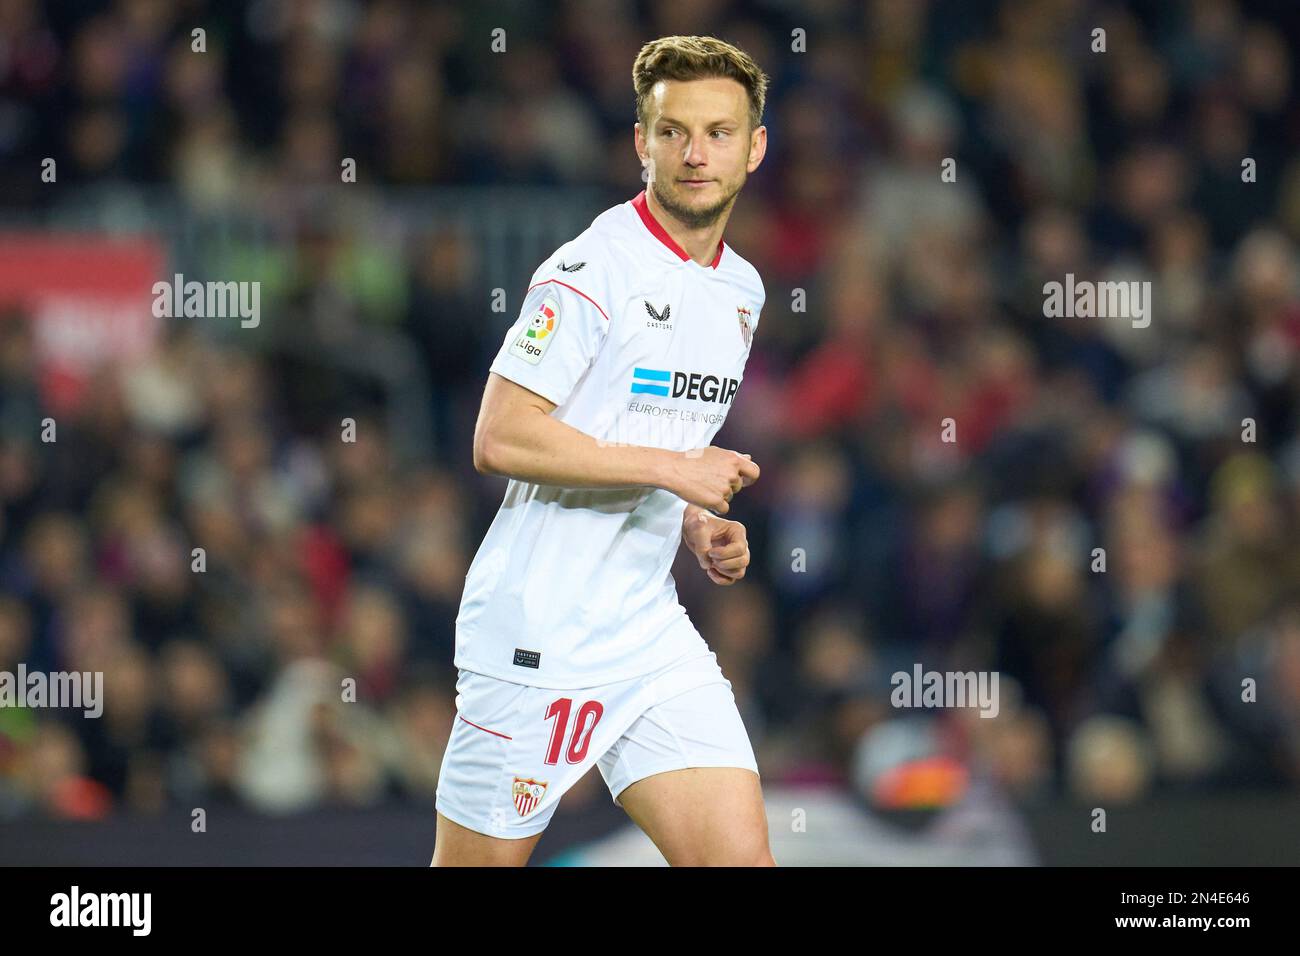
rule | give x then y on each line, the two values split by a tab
553	342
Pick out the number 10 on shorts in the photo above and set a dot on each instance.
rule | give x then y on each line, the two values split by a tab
588	716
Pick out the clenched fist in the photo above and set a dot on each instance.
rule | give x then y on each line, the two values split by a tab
710	477
721	546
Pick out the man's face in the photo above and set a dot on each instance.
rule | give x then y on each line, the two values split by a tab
698	147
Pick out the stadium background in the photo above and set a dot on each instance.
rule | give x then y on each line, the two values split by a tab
923	300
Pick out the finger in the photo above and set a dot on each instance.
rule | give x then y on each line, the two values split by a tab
722	579
731	565
728	551
749	470
727	532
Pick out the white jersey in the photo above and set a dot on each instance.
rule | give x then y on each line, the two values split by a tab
638	344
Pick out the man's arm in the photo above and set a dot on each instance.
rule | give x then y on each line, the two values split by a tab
516	437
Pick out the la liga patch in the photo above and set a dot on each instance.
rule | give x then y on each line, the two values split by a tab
538	332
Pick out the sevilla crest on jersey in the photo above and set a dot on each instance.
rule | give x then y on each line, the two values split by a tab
746	329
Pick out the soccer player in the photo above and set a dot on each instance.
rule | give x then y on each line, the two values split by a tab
600	406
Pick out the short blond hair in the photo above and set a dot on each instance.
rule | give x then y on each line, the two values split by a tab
697	58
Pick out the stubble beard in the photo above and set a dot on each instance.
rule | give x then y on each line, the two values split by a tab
693	217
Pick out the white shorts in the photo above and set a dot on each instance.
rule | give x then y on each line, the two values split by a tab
515	750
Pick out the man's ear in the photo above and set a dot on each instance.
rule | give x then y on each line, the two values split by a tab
758	147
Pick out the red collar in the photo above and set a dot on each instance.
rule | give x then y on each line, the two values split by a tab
660	233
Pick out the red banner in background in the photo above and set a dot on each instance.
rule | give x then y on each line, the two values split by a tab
90	300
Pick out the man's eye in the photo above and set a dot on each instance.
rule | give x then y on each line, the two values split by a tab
668	133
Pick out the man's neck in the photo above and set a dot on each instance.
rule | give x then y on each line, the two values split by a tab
700	244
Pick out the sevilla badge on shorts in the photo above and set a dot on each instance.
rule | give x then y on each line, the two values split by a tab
746	329
528	794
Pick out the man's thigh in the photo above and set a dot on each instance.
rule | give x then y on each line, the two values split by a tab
685	773
456	845
513	752
703	816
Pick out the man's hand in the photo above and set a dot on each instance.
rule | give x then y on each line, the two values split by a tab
710	477
721	546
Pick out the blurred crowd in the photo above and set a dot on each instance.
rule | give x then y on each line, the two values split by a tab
1112	527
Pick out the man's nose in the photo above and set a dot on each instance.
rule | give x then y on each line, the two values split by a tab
695	155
